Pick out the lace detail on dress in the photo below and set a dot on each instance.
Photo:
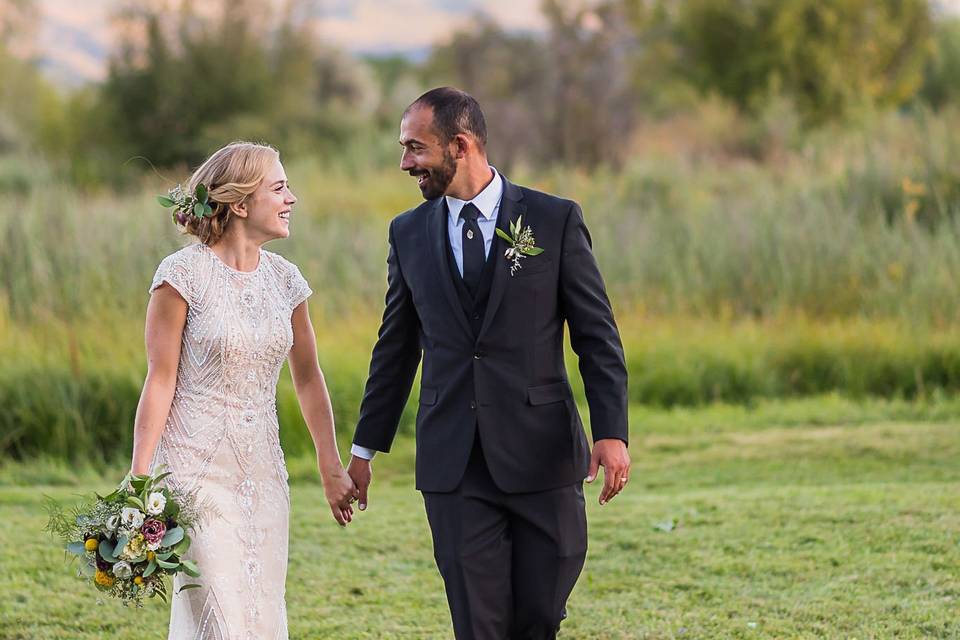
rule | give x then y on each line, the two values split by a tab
222	439
175	270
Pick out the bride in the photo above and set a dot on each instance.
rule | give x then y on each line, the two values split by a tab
223	315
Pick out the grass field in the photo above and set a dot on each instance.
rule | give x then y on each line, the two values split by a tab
817	518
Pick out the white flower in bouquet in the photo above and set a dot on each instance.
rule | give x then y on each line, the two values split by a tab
131	517
109	527
122	570
156	503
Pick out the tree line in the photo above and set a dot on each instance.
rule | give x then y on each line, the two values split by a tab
181	81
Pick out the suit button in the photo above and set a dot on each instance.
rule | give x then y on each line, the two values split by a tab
473	404
476	316
477	355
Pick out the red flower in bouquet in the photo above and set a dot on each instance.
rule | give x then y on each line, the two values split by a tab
153	531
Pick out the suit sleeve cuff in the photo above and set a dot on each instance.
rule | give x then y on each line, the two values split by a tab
362	452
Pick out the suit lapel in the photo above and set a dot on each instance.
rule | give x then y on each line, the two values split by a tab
437	228
511	208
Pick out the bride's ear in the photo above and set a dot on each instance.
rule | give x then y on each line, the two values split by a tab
239	209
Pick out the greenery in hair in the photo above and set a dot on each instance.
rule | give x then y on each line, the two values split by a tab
187	204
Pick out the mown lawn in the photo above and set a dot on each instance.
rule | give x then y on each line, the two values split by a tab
732	527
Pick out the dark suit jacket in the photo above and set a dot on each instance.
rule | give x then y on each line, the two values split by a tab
509	381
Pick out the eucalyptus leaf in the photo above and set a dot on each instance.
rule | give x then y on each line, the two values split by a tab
181	547
87	570
134	501
190	568
172	537
167	565
165	556
166	202
207	210
503	234
161	595
201	193
198	209
121	543
150	569
192	585
533	251
77	548
106	551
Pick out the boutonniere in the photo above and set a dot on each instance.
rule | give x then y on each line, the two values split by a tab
522	244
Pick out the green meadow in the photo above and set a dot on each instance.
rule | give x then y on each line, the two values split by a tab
815	518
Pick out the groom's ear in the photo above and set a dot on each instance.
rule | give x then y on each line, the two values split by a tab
461	145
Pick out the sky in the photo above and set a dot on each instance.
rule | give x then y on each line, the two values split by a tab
74	37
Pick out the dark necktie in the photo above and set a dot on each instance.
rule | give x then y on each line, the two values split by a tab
473	250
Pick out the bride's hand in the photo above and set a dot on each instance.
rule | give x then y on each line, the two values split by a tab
341	493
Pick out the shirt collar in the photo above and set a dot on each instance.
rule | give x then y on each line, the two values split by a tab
486	201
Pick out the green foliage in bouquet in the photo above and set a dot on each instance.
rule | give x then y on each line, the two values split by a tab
128	540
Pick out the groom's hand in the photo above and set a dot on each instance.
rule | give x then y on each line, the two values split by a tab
611	454
361	473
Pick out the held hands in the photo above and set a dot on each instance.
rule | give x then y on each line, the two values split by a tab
611	454
340	492
361	473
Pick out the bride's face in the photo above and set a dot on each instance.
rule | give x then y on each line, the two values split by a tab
268	208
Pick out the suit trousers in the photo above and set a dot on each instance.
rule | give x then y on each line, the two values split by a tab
508	561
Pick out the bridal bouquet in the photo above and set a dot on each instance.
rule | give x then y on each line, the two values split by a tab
130	539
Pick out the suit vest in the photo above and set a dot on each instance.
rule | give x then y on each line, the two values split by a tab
473	306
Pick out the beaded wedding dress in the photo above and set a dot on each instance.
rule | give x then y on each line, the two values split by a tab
222	440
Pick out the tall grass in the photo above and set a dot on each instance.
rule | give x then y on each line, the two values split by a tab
77	402
832	269
856	223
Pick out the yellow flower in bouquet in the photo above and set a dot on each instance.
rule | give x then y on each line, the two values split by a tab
134	550
103	579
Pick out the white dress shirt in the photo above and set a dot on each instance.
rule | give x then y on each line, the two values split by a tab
488	202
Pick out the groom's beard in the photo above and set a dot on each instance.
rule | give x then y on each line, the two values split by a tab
437	180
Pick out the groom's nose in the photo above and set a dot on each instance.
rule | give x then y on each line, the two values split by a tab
406	162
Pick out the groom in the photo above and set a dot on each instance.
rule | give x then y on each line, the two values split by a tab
501	452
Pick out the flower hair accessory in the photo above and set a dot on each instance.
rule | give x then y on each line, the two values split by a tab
187	204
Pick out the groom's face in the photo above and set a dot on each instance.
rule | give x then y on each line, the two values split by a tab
425	156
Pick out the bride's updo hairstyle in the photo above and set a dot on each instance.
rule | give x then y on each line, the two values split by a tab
231	175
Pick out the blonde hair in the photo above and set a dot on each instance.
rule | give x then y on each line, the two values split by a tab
231	175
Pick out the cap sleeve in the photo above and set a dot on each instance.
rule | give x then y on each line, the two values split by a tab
297	289
175	271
